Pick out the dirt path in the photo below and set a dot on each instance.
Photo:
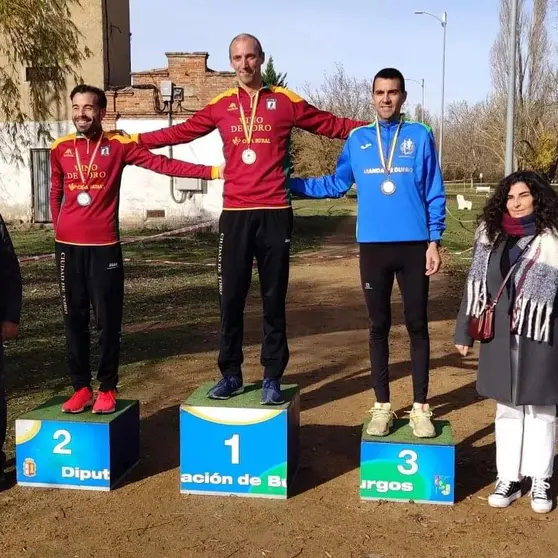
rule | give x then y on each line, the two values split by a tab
325	518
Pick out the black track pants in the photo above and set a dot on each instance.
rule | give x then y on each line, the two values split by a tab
266	235
92	276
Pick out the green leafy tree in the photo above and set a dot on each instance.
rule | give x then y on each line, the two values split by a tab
271	77
39	35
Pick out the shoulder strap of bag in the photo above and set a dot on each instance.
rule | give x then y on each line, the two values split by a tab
510	272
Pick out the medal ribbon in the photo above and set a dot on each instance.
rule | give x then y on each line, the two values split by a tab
248	131
91	161
387	169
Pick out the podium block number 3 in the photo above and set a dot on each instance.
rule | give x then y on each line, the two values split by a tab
411	465
61	448
234	443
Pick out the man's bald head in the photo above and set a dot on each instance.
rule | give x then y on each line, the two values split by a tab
247	56
247	36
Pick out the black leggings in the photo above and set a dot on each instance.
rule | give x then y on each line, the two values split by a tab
379	263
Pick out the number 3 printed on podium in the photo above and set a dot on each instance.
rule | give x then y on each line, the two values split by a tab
411	461
60	448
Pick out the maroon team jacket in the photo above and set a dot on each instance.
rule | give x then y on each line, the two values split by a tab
263	183
84	205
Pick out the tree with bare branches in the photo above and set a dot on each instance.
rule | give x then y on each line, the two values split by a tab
342	95
535	135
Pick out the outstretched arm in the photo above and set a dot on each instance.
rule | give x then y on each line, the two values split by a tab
140	156
199	125
323	123
333	186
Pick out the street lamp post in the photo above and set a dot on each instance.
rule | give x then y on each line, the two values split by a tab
511	89
421	83
444	21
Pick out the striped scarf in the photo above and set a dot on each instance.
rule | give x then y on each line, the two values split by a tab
535	283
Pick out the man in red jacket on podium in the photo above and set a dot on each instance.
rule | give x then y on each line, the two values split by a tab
86	172
255	123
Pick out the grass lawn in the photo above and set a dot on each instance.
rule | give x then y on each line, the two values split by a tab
183	297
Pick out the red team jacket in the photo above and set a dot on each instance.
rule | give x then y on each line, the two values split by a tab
86	212
262	184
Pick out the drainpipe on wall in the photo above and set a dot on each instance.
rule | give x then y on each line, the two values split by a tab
182	197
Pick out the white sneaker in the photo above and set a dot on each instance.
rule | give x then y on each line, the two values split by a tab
541	499
420	422
381	421
504	493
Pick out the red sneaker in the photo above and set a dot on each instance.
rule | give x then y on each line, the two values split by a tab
105	402
80	400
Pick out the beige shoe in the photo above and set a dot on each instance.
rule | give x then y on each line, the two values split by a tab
381	421
419	421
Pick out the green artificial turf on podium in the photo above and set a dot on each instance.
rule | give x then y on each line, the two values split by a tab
249	399
401	433
51	410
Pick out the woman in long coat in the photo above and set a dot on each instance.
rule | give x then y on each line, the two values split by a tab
518	367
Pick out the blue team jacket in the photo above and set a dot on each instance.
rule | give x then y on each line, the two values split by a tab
415	211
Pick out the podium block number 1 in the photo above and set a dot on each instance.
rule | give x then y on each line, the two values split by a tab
234	443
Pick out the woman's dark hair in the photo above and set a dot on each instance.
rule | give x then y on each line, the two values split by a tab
545	203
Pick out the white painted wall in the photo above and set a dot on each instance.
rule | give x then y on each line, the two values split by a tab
141	190
15	176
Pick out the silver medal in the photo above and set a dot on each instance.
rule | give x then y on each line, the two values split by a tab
388	187
84	199
248	156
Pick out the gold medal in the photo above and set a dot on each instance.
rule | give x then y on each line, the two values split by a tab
248	155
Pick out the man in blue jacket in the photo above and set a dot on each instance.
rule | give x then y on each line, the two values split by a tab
400	222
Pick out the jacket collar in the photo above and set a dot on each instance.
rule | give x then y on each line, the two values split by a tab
391	123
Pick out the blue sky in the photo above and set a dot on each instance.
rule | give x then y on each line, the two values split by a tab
308	37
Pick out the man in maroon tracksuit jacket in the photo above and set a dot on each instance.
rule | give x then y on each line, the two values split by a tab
255	123
86	171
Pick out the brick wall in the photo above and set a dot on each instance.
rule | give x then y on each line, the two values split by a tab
185	69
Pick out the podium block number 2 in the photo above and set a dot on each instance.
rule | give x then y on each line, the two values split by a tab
234	443
61	448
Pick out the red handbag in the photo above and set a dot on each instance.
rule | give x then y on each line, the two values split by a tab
482	328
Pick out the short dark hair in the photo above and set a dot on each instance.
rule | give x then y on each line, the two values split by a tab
84	88
545	203
390	73
247	36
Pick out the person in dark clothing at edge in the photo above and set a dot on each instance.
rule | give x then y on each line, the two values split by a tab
400	222
255	122
86	173
10	311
